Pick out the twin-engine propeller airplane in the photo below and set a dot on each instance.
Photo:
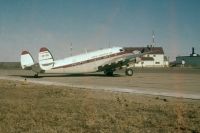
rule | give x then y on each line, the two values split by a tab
106	60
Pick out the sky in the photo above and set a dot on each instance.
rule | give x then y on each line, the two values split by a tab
95	24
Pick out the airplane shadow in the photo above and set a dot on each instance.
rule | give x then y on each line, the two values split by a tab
67	75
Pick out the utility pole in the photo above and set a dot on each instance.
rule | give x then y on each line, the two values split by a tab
70	49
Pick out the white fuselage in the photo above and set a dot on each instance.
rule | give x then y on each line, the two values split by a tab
88	62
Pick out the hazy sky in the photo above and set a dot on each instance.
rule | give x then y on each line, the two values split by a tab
95	24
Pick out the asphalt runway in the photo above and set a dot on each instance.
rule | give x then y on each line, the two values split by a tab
185	84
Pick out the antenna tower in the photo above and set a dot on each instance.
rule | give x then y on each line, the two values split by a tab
153	38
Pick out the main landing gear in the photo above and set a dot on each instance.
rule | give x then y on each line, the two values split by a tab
128	72
108	73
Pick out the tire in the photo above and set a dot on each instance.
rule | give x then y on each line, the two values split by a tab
129	72
108	73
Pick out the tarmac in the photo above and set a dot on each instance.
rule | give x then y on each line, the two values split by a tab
173	83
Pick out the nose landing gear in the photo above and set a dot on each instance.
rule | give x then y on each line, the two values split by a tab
129	72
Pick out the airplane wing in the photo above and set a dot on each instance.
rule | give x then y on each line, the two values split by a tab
123	61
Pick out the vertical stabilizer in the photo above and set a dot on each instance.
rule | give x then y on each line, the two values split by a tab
46	60
26	60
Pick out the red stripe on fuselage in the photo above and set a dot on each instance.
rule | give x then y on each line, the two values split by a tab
91	60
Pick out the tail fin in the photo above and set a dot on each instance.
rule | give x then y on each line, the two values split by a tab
26	60
46	60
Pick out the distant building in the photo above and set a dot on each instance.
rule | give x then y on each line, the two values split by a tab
189	61
154	59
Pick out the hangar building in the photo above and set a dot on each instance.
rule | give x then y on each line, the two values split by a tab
189	61
154	59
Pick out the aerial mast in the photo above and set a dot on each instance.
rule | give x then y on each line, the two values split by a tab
153	39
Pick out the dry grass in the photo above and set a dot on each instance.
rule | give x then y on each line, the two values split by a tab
26	107
10	65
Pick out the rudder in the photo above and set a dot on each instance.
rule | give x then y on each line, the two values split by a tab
26	60
46	60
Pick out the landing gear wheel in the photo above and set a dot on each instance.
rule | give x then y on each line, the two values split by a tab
36	75
108	73
129	72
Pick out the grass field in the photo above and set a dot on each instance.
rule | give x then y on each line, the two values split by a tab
26	107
